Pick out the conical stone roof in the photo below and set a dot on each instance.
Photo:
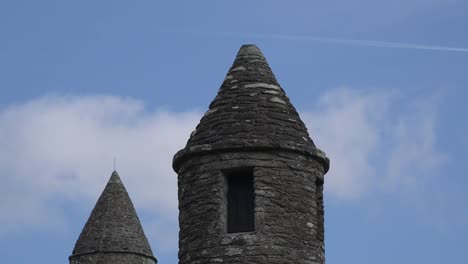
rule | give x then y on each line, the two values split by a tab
251	111
113	226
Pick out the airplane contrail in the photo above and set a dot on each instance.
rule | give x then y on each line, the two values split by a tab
356	42
375	43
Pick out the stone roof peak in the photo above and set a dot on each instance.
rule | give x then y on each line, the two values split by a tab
251	111
113	225
249	49
115	178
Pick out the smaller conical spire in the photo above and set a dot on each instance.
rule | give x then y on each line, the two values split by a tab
115	178
249	50
113	227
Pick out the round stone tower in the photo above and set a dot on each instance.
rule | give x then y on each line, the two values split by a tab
113	233
250	177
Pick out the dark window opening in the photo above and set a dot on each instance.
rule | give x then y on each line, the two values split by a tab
240	201
320	209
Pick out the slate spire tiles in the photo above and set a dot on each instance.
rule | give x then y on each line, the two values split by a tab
251	110
113	225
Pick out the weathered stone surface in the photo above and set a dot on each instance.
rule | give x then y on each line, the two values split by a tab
288	209
251	110
113	233
112	258
251	124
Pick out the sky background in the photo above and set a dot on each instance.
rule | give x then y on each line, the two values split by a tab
381	86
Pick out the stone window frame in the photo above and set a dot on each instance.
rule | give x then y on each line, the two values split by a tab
224	215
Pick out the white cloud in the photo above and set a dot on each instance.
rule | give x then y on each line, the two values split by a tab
374	140
413	153
63	148
345	126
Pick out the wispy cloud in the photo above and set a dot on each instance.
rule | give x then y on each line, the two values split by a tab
345	124
61	149
371	43
343	41
374	141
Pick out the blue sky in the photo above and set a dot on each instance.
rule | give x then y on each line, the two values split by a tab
381	86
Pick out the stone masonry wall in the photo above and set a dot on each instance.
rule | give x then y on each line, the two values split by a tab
288	209
111	258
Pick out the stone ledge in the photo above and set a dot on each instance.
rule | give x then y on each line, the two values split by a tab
185	153
113	252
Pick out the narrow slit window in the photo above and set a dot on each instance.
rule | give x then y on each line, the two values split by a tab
320	209
240	202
